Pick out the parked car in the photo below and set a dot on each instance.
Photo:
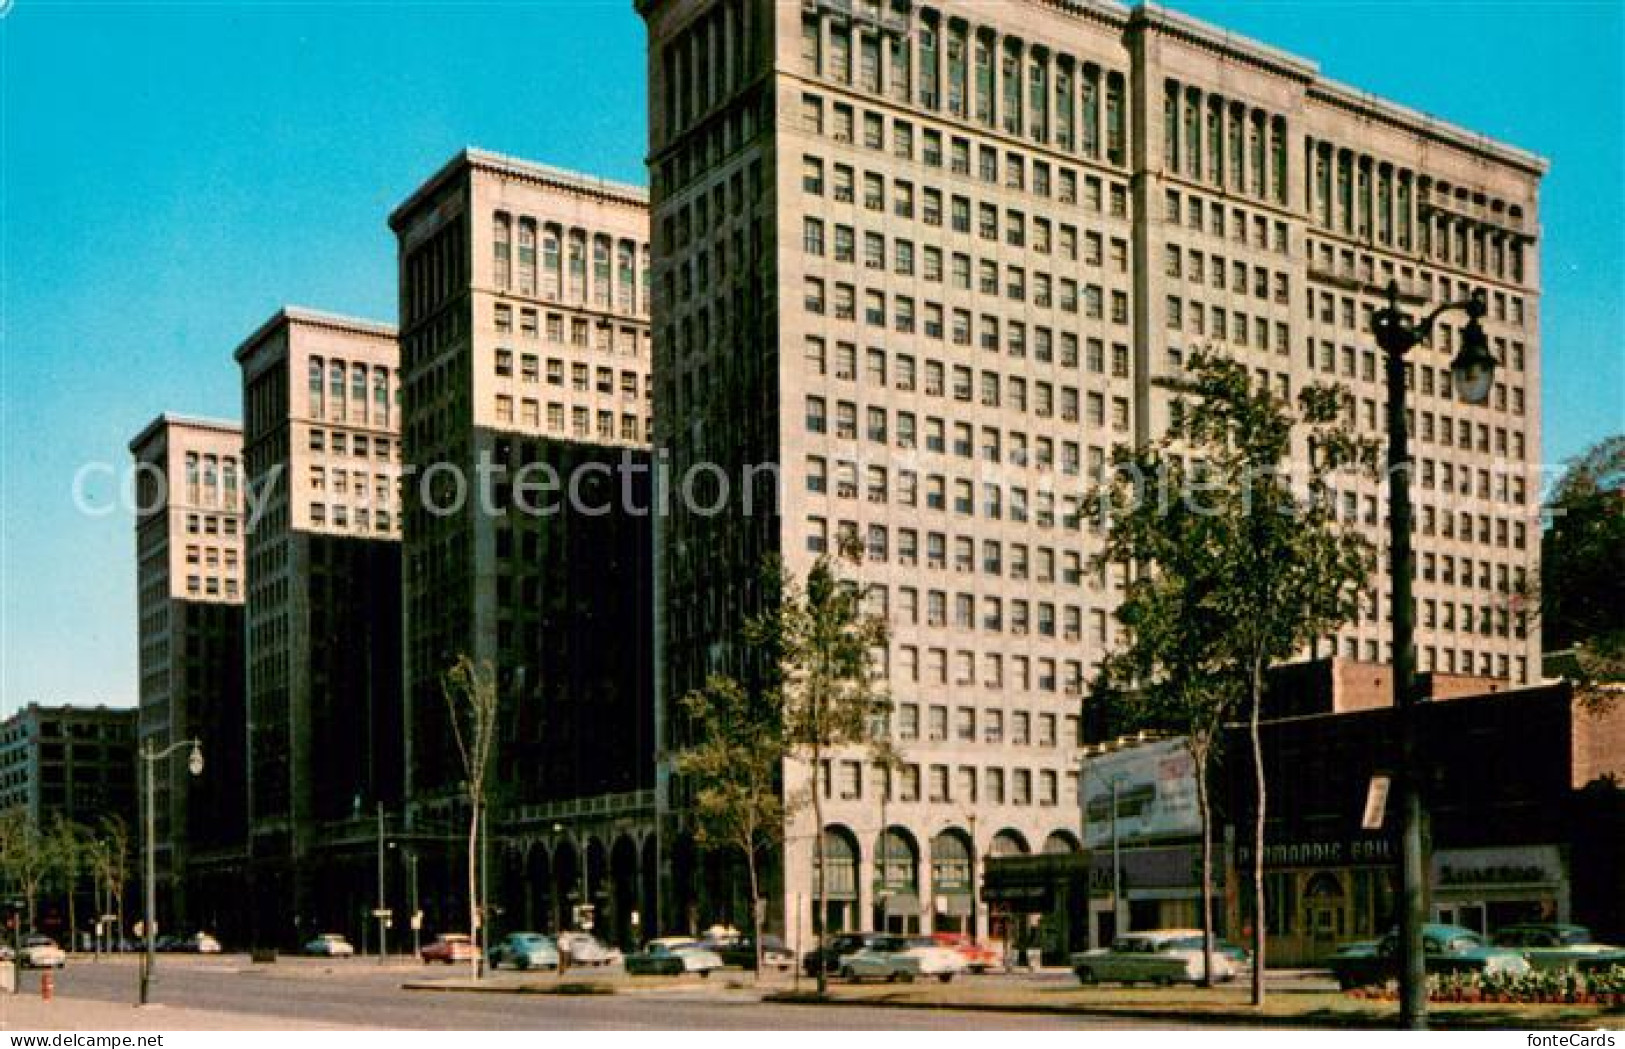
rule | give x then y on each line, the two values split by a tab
1163	957
526	950
197	943
834	949
741	951
979	958
330	945
583	948
1446	949
901	958
41	952
673	956
1550	945
449	948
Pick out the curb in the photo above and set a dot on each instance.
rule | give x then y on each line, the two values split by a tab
1321	1021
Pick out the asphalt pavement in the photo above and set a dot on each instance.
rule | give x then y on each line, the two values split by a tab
295	992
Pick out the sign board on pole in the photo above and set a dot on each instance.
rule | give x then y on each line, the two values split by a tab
382	912
417	920
1376	802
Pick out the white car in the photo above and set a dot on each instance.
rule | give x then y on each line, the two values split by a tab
41	952
1163	957
901	958
330	945
586	949
673	956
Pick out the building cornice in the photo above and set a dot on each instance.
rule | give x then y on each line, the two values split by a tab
1369	106
289	316
472	159
190	422
1223	42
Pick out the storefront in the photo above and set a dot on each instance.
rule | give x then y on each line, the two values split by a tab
1159	886
1038	902
1485	889
1319	895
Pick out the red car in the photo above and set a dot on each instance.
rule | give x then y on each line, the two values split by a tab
451	948
978	958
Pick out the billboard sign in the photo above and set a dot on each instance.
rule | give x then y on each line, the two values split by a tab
1156	795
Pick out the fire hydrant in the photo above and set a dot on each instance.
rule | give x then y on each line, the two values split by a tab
47	985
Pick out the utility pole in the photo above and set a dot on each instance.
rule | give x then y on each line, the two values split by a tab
383	917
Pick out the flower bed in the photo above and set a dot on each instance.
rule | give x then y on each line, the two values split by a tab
1536	988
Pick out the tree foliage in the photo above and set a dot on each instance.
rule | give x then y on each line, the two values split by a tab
471	696
734	772
1239	561
822	647
1582	589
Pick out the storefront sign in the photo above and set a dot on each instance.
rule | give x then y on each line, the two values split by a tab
1332	853
1531	865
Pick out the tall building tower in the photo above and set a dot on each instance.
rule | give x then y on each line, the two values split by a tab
525	371
322	451
189	587
933	262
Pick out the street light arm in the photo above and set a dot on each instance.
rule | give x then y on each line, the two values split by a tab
1396	333
149	754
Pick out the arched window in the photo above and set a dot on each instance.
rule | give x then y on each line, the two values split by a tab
841	854
315	372
1061	842
1009	843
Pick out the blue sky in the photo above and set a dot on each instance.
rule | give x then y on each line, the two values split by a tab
171	173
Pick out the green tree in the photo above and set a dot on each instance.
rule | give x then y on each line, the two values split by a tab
68	846
822	648
1247	561
734	774
471	701
1582	587
1172	673
25	857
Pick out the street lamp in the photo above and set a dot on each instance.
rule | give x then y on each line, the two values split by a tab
150	758
1472	374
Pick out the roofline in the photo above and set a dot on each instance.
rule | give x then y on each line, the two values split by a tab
471	157
290	315
99	710
196	422
1332	91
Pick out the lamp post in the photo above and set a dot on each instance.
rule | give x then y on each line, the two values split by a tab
150	758
1472	373
1114	782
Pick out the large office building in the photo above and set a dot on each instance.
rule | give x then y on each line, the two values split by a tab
524	305
189	596
72	762
322	451
933	262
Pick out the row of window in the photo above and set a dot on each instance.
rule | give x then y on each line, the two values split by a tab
581	374
1345	264
1211	139
211	586
970	74
1025	729
211	524
1374	200
1013	397
361	482
563	264
838	120
961	784
601	336
344	396
359	445
904	373
212	557
633	428
360	519
211	479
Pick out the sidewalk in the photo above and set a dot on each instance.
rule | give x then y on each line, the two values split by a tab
24	1012
1229	1005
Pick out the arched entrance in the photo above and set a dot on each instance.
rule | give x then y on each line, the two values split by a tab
566	884
1325	906
953	885
897	881
840	883
539	914
1061	842
1009	842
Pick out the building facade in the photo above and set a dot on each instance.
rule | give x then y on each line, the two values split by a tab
933	262
75	762
189	575
526	418
322	451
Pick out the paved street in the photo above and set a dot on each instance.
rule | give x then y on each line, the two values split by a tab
358	992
